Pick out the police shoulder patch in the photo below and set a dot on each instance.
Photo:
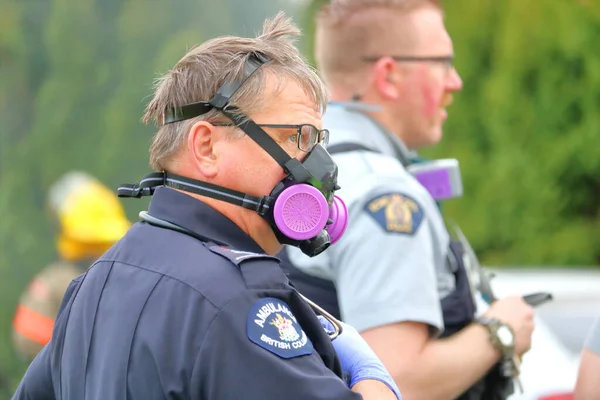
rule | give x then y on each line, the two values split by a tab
272	326
396	213
238	256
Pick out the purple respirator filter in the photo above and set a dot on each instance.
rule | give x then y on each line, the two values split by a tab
301	212
339	215
441	178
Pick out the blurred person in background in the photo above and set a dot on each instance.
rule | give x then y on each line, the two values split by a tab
398	275
90	219
588	379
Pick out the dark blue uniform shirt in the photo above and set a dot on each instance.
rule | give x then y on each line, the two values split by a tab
164	315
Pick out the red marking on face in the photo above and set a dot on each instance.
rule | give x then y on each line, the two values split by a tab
431	93
431	101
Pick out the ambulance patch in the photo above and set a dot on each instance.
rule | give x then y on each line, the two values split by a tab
396	213
272	326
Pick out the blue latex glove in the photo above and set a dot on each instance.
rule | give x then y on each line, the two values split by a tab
358	360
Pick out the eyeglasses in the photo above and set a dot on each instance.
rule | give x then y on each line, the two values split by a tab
307	136
447	61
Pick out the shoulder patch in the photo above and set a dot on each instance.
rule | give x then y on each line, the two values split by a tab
396	213
272	326
238	256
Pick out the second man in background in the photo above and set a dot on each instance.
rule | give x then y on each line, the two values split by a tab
397	275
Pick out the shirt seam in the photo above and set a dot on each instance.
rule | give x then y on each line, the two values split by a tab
163	275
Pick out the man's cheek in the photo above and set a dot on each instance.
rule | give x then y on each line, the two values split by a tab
432	98
430	92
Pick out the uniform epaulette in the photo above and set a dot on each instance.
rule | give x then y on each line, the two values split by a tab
238	256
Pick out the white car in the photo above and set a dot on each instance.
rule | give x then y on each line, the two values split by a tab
549	369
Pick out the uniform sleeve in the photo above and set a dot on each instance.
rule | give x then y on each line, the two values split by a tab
37	382
593	339
252	362
384	266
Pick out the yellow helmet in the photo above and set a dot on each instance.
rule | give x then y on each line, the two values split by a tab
90	215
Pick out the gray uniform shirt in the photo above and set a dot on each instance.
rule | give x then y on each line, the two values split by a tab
593	340
391	264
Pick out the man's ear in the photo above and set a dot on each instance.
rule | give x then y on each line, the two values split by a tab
201	141
387	76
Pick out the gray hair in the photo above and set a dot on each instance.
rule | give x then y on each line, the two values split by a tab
198	75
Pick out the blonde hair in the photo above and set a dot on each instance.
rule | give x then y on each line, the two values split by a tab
350	29
198	75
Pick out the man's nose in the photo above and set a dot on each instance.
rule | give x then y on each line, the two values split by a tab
454	82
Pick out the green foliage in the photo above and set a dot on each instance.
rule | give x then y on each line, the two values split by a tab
526	129
308	20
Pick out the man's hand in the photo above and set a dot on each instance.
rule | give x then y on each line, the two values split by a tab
359	362
517	314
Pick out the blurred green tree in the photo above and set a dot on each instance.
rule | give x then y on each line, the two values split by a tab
526	130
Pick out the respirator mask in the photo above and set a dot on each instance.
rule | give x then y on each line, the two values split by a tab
302	208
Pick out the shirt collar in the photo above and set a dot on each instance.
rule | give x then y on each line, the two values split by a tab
198	217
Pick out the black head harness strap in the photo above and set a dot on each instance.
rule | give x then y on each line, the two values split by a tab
220	102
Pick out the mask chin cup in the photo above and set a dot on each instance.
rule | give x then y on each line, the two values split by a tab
316	245
301	212
339	217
